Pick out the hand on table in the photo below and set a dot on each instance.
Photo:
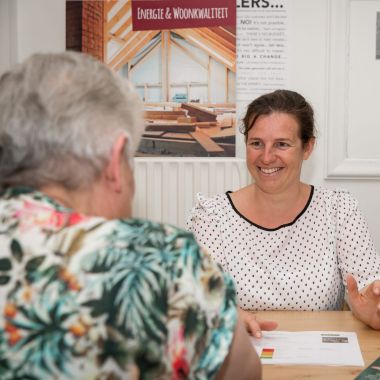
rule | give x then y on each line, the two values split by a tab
365	304
254	325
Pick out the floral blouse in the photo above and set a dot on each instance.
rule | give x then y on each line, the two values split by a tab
88	298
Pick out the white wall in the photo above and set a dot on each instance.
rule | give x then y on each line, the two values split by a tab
5	37
318	70
28	26
321	71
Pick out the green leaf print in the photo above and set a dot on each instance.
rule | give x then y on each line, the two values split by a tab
4	367
117	347
132	281
194	321
102	305
31	268
4	279
130	290
4	363
45	347
16	250
34	263
5	264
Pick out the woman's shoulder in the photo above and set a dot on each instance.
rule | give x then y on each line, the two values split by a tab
211	207
218	200
142	239
335	197
139	227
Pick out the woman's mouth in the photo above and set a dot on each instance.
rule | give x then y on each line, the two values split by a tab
269	171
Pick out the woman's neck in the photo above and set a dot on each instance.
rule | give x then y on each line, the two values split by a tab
271	210
280	201
77	200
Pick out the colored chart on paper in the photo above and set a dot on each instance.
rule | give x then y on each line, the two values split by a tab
267	353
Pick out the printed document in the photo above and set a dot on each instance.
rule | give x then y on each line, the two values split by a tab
309	347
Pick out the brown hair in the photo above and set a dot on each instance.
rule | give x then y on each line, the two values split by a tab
284	101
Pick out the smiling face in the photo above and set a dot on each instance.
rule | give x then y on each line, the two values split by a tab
275	152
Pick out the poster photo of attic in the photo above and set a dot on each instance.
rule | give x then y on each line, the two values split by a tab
181	57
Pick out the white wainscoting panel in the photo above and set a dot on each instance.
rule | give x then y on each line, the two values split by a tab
166	187
351	96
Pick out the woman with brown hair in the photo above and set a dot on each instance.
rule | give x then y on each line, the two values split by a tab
287	244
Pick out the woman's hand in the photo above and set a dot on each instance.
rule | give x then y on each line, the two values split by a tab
254	325
365	305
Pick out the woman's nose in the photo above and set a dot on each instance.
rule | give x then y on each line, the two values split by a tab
268	154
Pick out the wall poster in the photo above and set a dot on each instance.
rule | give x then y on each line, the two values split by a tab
185	63
180	55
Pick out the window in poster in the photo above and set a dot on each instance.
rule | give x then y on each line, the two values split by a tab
354	73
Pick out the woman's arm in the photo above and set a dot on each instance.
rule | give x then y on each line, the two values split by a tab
359	261
242	361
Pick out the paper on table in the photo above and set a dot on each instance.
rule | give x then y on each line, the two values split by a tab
309	347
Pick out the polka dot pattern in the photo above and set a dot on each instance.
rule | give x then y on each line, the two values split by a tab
298	266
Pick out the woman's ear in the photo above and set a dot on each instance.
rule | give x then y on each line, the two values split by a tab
113	174
308	148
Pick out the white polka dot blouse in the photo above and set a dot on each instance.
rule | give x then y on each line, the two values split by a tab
298	266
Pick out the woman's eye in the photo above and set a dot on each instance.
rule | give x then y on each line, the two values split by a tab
256	144
282	145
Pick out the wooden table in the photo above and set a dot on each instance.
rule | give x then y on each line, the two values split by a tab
369	341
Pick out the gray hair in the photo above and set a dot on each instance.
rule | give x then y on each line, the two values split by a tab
60	115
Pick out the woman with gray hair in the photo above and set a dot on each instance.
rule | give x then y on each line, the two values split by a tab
87	291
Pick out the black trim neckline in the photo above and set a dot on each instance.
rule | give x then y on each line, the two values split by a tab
282	225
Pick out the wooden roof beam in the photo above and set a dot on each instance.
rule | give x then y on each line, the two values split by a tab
124	26
118	40
119	15
109	4
129	41
221	40
130	51
219	47
224	33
